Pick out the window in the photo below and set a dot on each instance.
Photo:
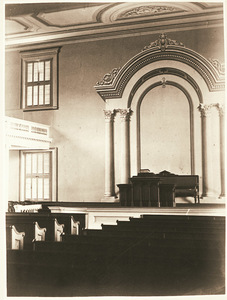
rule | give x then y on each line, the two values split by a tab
38	175
40	79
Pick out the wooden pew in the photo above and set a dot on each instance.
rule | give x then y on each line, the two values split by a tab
30	231
118	259
108	261
183	218
54	273
50	226
58	231
179	223
73	224
15	239
39	232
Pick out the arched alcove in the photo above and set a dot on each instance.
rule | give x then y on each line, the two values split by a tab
176	114
165	140
199	81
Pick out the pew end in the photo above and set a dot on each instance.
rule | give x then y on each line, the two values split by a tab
58	231
40	233
75	226
15	240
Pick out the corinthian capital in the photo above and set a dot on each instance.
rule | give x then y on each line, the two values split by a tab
125	114
221	109
109	115
204	109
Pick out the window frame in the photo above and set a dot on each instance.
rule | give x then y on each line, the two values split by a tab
53	174
33	56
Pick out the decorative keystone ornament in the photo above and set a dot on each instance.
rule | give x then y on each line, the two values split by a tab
163	42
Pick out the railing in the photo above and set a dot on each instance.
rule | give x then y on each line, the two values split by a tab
31	131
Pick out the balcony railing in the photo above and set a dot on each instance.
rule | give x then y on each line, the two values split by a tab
26	134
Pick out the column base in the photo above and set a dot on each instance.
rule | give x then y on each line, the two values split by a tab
212	200
222	196
109	199
209	195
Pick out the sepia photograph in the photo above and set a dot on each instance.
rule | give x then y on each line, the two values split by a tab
113	149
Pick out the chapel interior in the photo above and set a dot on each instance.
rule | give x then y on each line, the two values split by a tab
114	149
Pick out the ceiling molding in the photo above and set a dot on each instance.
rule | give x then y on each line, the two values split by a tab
105	21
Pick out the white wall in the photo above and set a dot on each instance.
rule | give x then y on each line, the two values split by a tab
165	131
13	173
77	128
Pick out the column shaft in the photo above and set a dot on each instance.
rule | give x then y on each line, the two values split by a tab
109	154
125	144
206	172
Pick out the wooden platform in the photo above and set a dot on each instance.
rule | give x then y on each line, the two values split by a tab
97	214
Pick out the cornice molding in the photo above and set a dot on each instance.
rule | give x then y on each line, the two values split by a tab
46	140
162	49
40	52
41	34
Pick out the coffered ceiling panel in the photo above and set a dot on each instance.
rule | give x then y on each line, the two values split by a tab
13	26
72	17
57	23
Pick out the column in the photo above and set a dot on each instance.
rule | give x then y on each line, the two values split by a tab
206	172
109	156
125	144
222	148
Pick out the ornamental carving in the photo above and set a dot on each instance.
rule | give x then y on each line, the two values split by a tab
218	66
163	42
221	109
125	113
147	10
163	82
205	109
109	77
109	115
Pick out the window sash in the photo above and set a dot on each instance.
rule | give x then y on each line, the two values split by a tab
46	62
38	176
39	84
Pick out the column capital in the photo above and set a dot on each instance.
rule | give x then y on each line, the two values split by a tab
125	113
221	109
205	109
109	115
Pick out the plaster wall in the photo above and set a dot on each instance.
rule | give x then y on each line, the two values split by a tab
13	175
165	135
77	127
